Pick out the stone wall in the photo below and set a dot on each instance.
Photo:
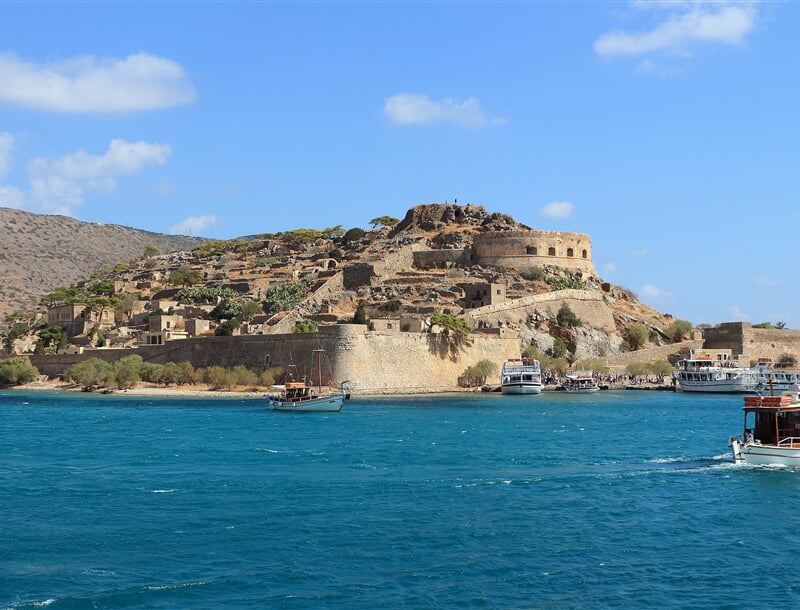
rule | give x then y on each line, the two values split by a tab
373	362
524	249
670	353
440	259
753	343
589	306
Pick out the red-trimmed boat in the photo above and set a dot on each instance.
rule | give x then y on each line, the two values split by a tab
771	430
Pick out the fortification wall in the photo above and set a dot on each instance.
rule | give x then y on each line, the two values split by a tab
440	259
523	249
653	354
730	335
373	362
588	306
771	343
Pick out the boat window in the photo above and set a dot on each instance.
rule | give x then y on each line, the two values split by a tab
765	428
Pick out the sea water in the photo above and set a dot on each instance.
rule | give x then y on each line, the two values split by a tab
621	499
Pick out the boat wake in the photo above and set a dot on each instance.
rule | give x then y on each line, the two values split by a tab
680	463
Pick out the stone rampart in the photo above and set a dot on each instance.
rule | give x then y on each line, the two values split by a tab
664	352
753	343
440	259
588	306
524	249
373	362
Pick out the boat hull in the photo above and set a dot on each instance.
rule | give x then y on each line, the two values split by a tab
580	390
753	454
721	387
327	404
521	388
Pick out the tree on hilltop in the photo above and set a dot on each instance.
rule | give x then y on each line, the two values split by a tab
383	221
352	235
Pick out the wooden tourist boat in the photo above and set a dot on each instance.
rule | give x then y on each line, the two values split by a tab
580	381
306	395
771	430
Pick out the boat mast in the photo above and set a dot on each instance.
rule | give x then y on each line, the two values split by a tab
318	352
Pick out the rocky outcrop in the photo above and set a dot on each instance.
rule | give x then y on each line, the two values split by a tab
437	216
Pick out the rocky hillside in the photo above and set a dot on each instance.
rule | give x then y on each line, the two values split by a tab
334	274
39	253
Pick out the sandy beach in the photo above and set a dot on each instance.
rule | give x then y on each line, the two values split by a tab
144	389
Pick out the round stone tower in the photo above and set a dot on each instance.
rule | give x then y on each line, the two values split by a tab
521	250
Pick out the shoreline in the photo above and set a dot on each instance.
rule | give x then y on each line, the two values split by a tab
190	392
203	391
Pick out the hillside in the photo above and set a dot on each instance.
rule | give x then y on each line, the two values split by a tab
395	277
40	252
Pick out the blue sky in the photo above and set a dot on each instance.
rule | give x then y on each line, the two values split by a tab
668	131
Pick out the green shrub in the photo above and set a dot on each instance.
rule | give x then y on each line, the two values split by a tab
566	318
637	336
305	326
678	330
533	274
476	375
17	371
91	374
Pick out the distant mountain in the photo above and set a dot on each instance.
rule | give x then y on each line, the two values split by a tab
40	252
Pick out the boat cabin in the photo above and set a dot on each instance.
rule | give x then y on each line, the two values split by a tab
298	391
773	420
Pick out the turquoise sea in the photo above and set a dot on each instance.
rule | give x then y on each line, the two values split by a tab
623	499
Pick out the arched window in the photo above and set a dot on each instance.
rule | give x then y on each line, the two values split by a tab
551	251
584	254
570	252
532	250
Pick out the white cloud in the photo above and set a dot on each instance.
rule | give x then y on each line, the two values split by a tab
768	281
558	209
417	109
121	159
55	195
639	253
609	268
6	146
687	25
58	186
194	225
653	292
89	84
12	197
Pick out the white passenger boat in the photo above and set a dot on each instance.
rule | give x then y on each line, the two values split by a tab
702	373
776	377
771	430
580	381
521	376
306	395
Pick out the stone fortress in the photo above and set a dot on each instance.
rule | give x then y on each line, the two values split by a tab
524	249
457	260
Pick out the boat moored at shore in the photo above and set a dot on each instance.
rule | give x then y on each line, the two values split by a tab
580	382
521	376
702	373
776	377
